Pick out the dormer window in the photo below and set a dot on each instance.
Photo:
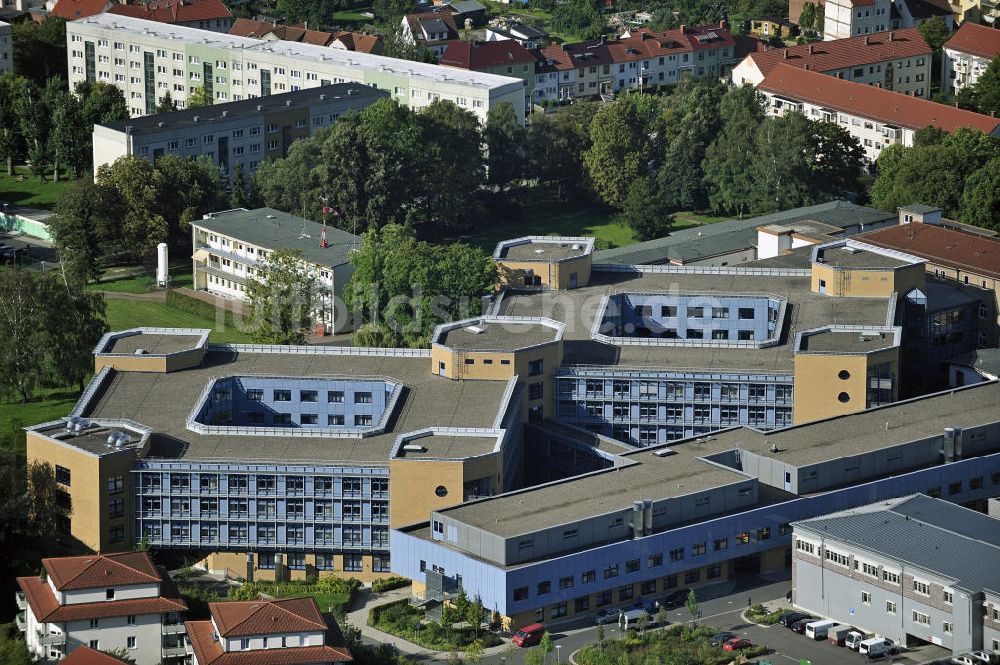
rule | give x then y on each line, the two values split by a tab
109	594
244	644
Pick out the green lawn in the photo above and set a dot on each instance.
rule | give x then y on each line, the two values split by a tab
29	191
698	217
139	279
351	16
47	404
123	314
546	221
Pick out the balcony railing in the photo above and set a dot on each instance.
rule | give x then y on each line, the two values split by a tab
22	625
22	603
49	639
173	629
174	652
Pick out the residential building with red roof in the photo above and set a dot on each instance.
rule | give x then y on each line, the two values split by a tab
854	18
967	54
639	58
204	14
507	58
105	602
952	251
876	117
74	9
361	42
83	655
433	29
898	60
290	631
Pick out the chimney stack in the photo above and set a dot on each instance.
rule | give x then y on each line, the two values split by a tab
784	54
866	41
810	49
891	35
683	29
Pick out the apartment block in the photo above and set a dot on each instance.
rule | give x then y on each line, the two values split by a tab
967	54
915	569
203	14
145	59
506	58
230	247
639	58
103	602
853	18
898	60
275	632
876	117
6	48
244	132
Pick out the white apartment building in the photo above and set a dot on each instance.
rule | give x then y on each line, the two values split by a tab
967	55
105	602
230	246
277	632
851	18
244	132
146	59
876	117
6	48
898	60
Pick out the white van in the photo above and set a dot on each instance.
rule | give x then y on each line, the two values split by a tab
875	647
818	630
633	619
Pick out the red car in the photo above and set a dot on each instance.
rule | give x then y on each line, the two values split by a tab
736	644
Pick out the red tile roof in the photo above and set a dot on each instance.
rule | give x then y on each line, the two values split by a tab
248	27
870	102
47	609
175	11
942	245
413	20
844	53
288	615
483	55
975	39
101	570
358	41
74	9
83	655
208	650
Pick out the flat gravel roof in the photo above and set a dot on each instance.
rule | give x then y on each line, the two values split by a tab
498	336
152	343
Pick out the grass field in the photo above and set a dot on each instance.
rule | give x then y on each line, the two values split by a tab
47	404
138	279
123	314
350	16
29	191
595	222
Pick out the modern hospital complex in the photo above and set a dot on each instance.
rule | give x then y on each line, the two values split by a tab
603	433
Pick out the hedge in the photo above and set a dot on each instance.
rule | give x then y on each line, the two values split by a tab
378	586
375	613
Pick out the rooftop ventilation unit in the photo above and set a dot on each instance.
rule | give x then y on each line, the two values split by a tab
414	448
577	246
139	352
118	439
475	330
539	251
664	452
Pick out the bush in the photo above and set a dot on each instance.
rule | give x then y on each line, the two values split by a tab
682	643
378	586
401	619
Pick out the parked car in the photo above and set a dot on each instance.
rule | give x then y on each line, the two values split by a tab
973	658
854	640
788	618
876	647
736	644
652	606
800	625
719	639
528	636
608	615
837	636
633	618
674	599
985	656
819	629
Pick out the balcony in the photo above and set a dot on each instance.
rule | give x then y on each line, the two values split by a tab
173	629
22	624
174	652
51	639
22	603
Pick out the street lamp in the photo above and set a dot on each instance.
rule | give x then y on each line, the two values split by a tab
558	647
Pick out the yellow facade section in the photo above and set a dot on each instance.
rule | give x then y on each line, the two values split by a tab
150	363
567	274
90	492
234	565
866	283
551	356
485	365
828	385
413	486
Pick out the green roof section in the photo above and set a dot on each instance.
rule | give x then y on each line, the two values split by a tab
708	240
273	230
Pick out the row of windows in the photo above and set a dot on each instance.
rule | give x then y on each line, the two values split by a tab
264	483
675	390
324	535
321	509
352	562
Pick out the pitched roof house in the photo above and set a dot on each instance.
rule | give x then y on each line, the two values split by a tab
205	14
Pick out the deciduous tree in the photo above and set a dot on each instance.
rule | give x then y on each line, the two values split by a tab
504	145
280	298
646	211
77	232
729	159
981	197
622	146
987	88
199	98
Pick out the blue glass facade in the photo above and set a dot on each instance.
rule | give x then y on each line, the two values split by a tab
262	507
697	317
648	407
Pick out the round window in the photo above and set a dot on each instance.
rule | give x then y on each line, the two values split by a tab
441	490
844	375
844	398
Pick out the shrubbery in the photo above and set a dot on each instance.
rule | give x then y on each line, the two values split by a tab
677	644
378	586
399	618
759	614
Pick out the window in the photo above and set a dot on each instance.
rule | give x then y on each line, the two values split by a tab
308	396
588	577
867	568
866	598
720	312
949	596
109	594
692	576
698	549
921	618
535	390
603	598
922	588
837	557
764	534
116	484
282	395
130	642
308	419
362	420
655	560
632	566
677	554
544	588
890	577
626	592
335	396
130	620
566	582
521	593
720	544
62	475
581	604
535	367
353	563
362	398
714	571
890	607
611	571
95	623
946	627
743	538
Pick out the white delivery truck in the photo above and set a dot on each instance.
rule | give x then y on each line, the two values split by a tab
818	630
